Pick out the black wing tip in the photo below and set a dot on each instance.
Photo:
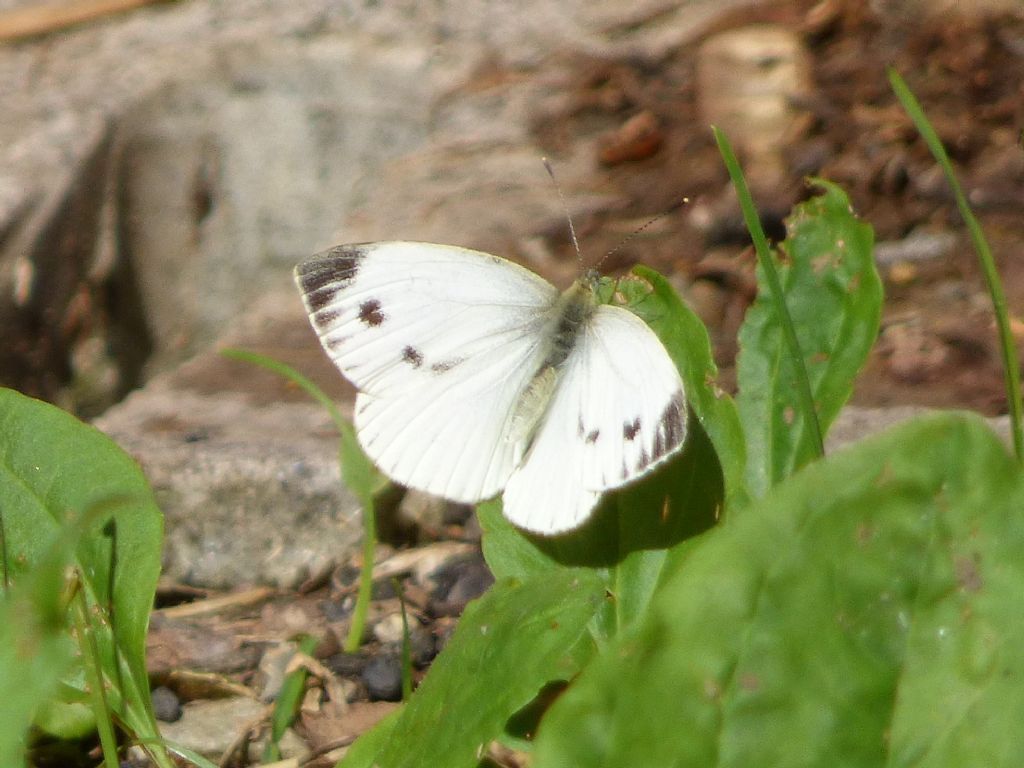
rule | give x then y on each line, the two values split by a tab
322	275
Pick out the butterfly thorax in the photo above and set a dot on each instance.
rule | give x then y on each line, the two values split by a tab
569	313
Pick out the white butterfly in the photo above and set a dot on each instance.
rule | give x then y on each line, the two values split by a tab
476	376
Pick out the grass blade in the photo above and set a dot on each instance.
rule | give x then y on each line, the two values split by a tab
357	472
1011	366
805	400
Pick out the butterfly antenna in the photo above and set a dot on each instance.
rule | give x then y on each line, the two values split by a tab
565	209
639	230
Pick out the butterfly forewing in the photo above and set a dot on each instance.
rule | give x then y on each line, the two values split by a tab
393	314
441	342
617	412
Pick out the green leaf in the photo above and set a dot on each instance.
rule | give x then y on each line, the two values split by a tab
286	707
508	645
35	649
867	612
834	296
53	469
633	534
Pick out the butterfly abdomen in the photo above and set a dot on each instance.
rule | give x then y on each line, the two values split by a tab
568	315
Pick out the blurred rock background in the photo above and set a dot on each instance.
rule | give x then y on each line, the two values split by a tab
164	165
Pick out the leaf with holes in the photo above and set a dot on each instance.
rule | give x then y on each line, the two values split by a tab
834	295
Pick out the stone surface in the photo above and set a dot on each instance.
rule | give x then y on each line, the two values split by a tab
856	423
210	726
751	81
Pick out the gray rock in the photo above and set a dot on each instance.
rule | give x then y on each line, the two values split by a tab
199	150
246	474
855	423
166	704
210	727
382	677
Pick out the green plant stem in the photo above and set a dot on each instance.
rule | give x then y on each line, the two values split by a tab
1011	366
356	473
764	257
354	638
406	644
93	667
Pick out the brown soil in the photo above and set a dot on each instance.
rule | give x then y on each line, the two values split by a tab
937	346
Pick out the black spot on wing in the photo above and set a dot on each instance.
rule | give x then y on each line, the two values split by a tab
412	356
325	317
323	276
588	436
334	343
631	429
671	427
643	461
370	314
446	365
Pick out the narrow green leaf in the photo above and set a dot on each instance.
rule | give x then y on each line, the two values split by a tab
789	341
508	645
834	296
288	702
1011	365
358	474
52	469
869	611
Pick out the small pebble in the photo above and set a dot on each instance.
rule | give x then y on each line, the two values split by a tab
383	590
902	273
389	629
346	664
383	679
166	704
422	646
474	580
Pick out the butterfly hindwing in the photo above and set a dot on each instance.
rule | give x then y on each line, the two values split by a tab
617	412
441	342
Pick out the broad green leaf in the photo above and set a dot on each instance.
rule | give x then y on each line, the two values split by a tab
834	296
52	469
869	611
508	645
